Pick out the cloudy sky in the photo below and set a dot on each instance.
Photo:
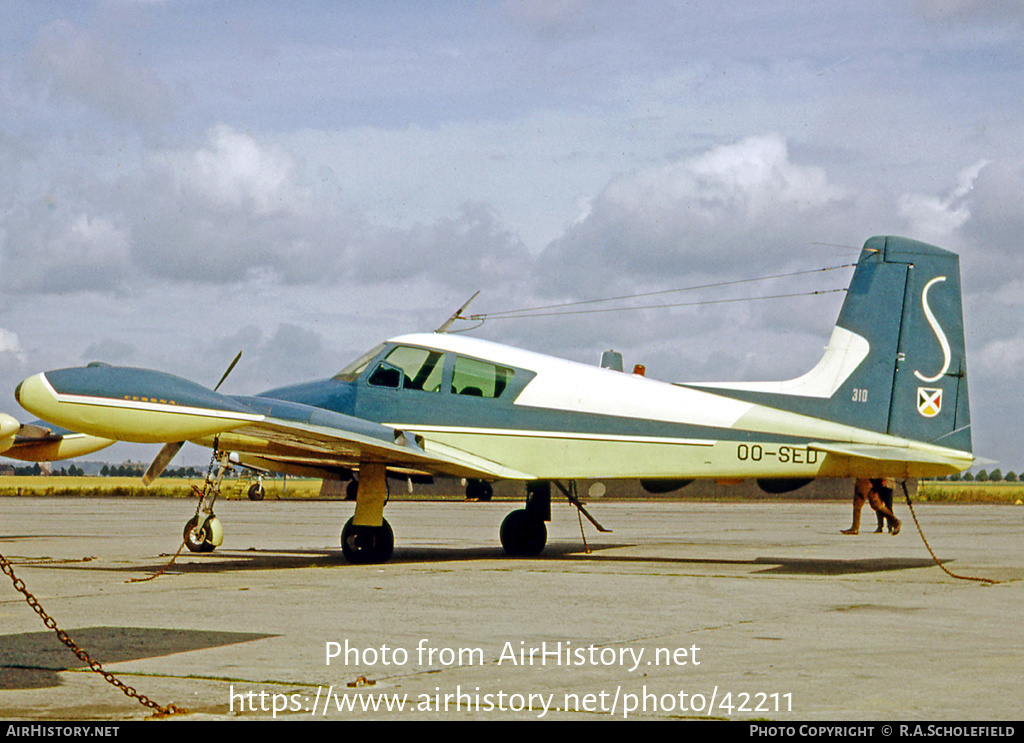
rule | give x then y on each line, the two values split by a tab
184	180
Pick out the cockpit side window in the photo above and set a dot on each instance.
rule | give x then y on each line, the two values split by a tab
412	368
479	378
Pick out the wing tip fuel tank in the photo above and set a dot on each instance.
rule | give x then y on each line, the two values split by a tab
8	426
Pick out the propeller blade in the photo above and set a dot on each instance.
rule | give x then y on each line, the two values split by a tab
163	458
230	367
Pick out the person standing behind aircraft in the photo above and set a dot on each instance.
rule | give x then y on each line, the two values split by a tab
870	491
884	490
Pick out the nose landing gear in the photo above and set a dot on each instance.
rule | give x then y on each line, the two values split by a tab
204	532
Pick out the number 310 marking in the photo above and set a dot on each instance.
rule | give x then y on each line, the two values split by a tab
860	395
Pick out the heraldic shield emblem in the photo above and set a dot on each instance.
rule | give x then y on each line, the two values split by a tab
929	401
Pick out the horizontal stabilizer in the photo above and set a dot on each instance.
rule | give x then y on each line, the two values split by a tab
893	453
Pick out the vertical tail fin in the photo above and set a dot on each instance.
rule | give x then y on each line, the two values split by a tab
895	362
904	300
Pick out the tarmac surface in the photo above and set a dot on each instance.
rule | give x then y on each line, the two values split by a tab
692	610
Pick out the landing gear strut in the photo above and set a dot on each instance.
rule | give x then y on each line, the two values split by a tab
203	532
523	533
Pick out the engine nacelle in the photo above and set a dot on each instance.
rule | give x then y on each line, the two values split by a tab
131	404
659	487
778	485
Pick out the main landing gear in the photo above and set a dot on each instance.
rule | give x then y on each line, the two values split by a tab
523	533
367	538
256	491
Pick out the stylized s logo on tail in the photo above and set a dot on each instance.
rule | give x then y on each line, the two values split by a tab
937	329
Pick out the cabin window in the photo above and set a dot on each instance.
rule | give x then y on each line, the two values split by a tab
479	379
410	368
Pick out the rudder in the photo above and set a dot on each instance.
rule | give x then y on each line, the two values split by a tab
929	394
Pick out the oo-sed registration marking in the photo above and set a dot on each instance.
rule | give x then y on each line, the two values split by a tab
783	454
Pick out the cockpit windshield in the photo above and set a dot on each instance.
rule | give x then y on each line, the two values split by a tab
353	370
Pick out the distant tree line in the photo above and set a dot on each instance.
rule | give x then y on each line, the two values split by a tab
122	470
982	476
109	470
137	470
34	470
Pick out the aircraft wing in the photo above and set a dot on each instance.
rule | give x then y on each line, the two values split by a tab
146	406
302	437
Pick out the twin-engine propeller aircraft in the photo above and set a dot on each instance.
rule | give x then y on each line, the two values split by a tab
888	399
40	441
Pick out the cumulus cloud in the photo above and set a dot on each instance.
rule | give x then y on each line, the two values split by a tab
464	251
997	217
52	250
287	355
224	210
11	345
937	218
703	213
233	170
748	179
1001	356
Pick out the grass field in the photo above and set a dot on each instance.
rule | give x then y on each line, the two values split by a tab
971	492
166	487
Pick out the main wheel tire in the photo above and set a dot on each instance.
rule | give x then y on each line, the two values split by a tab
367	545
199	541
256	491
523	534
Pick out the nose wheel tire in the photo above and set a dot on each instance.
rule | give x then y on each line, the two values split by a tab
523	534
367	545
206	539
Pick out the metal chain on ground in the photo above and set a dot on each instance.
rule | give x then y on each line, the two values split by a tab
162	570
19	585
910	505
